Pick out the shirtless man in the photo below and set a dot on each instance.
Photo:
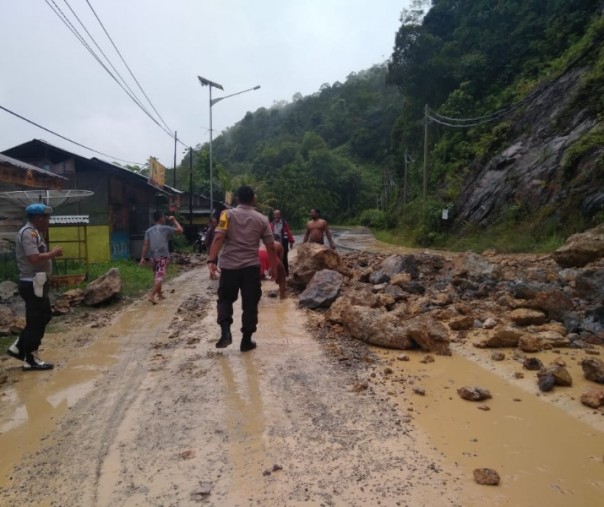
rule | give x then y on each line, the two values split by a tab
316	229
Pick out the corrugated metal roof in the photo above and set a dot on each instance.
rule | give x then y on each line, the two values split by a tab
13	162
69	219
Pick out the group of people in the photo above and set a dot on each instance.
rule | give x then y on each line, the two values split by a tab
236	236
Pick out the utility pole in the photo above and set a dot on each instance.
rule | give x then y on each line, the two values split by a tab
191	191
174	176
425	187
405	176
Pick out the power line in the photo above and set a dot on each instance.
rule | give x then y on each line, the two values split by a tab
127	66
67	139
132	94
480	120
57	10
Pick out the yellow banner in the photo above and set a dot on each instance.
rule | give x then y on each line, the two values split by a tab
157	173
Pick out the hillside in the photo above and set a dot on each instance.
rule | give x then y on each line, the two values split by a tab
511	92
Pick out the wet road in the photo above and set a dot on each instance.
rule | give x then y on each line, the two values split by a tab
145	410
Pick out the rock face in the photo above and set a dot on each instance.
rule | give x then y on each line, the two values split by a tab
531	170
103	288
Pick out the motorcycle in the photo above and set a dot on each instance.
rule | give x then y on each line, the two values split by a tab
199	245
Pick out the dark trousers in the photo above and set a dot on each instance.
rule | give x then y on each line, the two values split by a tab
231	282
37	314
285	244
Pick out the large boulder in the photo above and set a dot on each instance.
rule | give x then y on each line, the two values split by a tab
581	248
388	330
103	289
8	290
10	322
322	290
312	257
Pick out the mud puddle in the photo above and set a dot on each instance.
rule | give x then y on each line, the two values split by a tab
544	455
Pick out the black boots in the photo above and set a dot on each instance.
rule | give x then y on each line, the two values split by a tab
247	343
225	336
226	339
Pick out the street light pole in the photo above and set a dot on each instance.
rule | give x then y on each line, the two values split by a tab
210	85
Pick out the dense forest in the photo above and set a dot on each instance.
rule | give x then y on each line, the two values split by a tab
397	144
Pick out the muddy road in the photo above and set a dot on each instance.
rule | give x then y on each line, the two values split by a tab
142	409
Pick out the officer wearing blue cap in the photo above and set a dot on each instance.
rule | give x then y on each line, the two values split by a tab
34	261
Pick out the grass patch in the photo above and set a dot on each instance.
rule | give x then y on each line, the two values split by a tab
136	281
521	238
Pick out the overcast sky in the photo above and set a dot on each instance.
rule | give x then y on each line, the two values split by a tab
50	78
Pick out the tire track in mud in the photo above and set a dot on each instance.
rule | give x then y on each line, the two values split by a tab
80	455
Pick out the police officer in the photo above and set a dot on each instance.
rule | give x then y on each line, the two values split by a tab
34	261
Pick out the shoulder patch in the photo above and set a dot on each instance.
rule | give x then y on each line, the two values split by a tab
223	222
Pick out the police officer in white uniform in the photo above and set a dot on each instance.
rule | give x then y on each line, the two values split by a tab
34	262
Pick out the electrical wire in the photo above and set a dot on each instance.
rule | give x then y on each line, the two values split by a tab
57	10
132	94
69	140
127	66
480	120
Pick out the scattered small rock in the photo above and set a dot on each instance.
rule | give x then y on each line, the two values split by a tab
474	393
532	363
546	383
497	356
486	476
593	398
199	493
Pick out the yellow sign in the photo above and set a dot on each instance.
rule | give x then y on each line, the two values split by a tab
157	173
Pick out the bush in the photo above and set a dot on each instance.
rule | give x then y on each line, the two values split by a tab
373	218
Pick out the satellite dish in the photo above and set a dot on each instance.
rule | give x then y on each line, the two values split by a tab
53	198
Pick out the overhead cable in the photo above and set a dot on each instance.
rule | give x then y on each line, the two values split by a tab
70	140
480	120
127	66
56	9
132	93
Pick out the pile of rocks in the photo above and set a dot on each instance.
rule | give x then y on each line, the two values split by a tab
426	300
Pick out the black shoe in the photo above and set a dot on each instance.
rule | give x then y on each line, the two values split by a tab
247	344
13	351
32	362
225	338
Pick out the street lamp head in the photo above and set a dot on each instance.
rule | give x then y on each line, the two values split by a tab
256	87
207	82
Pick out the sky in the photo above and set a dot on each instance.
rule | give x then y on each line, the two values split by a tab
49	77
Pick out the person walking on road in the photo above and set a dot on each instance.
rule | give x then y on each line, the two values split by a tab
240	231
34	261
317	229
283	235
156	244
